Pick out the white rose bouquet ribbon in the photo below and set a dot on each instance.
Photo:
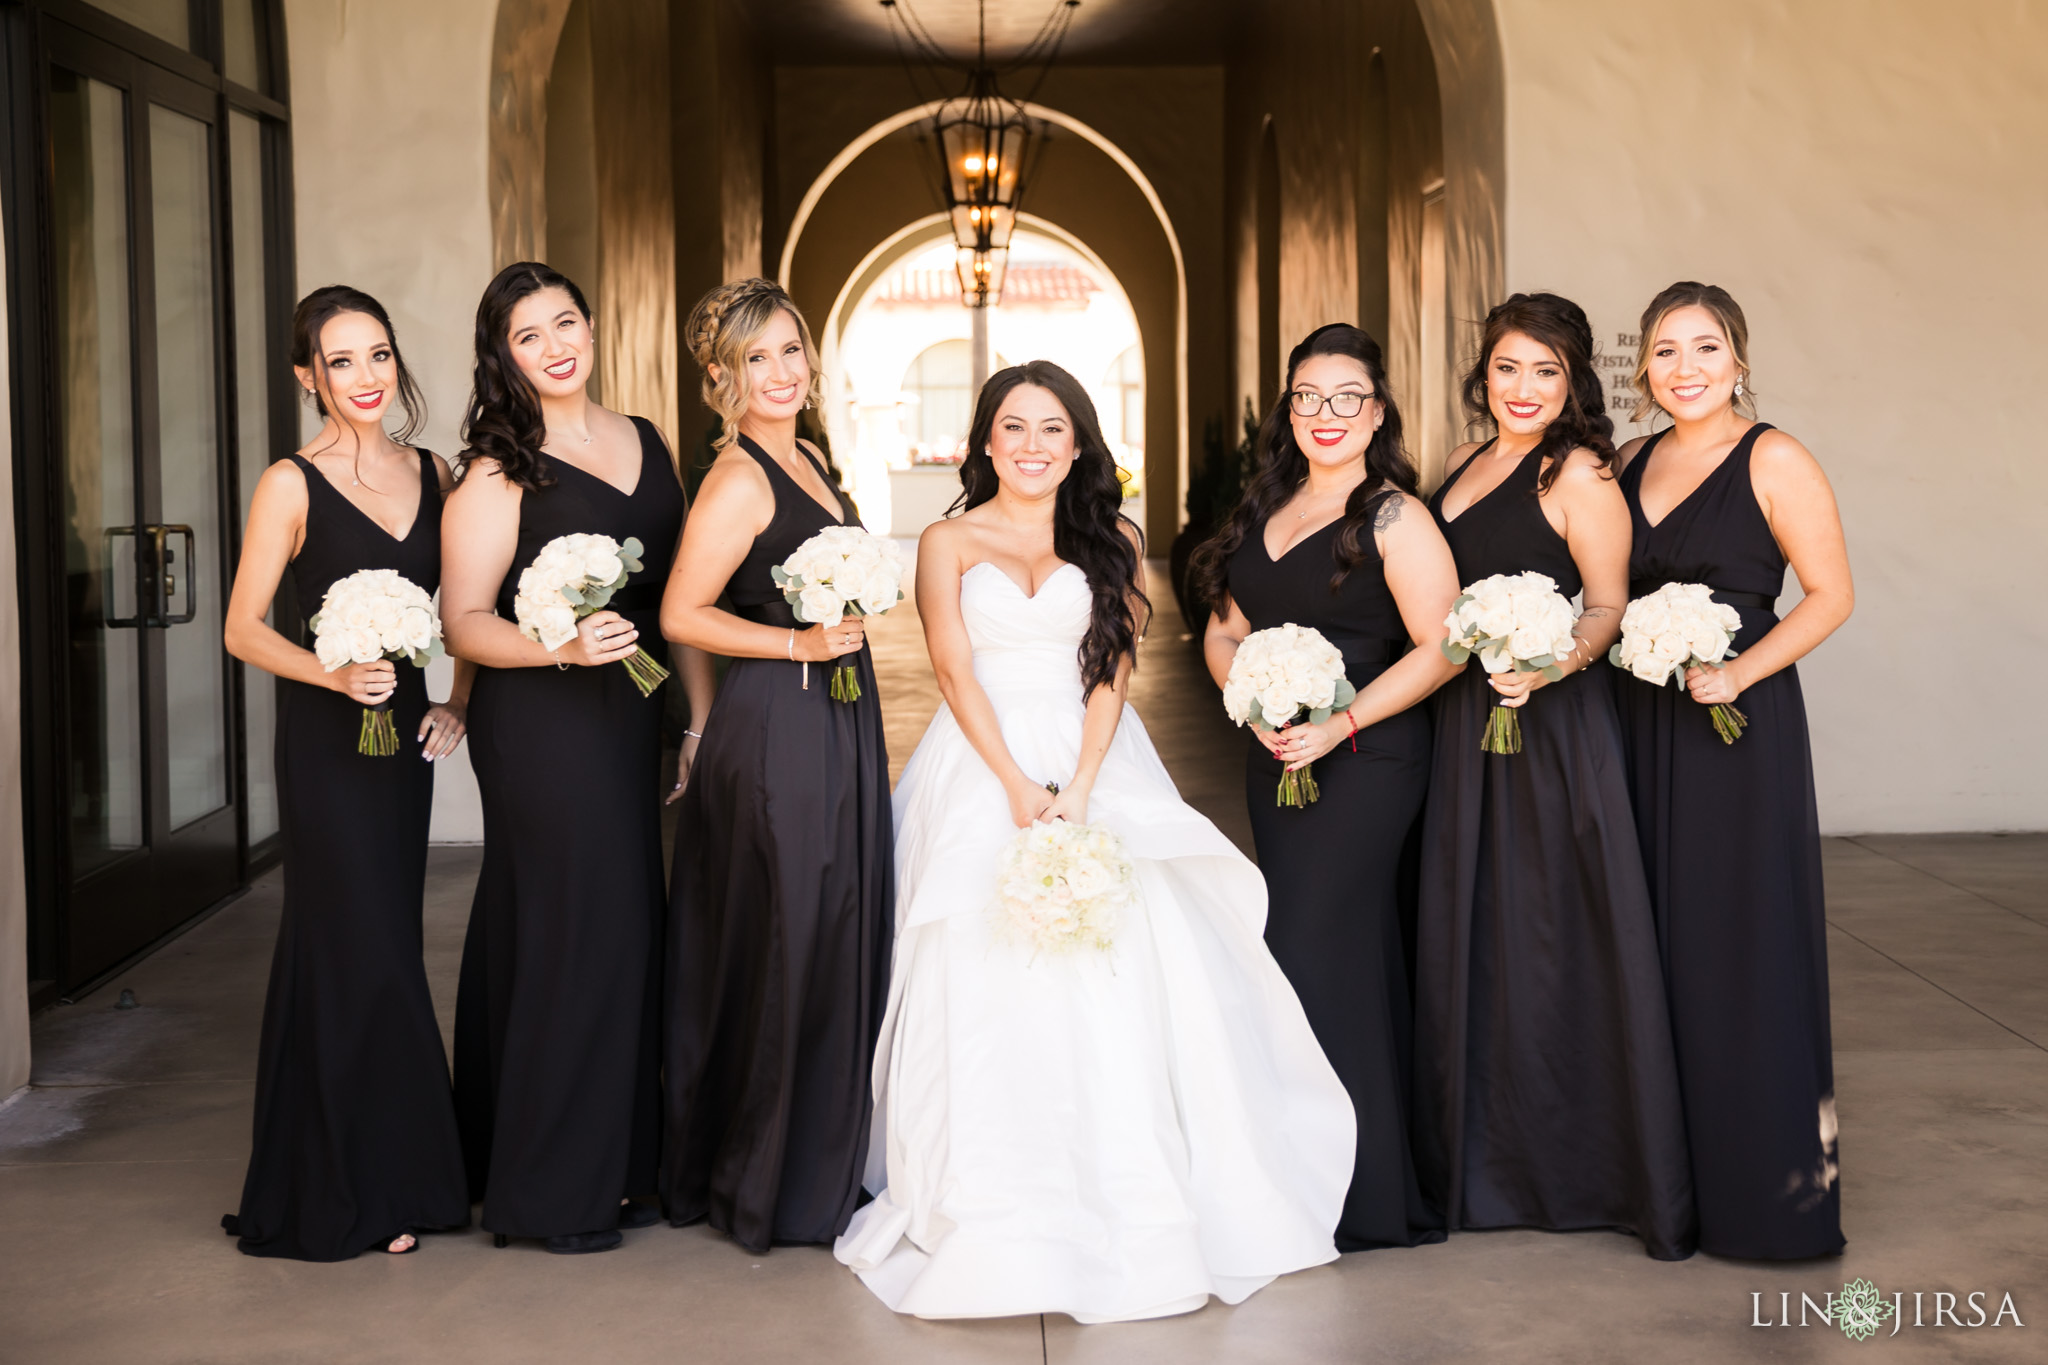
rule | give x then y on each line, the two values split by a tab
1061	887
1677	627
841	571
1281	674
1511	621
376	614
570	578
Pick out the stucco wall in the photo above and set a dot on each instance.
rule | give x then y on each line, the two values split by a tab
390	151
14	1057
1866	177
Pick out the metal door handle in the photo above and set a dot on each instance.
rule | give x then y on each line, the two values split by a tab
168	580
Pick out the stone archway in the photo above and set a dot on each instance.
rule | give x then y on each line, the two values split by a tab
1087	187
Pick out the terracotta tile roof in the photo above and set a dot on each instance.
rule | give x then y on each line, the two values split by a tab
1027	284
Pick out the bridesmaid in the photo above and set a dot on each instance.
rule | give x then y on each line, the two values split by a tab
1330	534
1546	1091
355	1139
1730	834
556	1046
781	904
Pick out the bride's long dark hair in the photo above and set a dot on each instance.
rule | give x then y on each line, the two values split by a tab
1088	518
1282	468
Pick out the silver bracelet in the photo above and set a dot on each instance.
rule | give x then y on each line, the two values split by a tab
792	644
694	734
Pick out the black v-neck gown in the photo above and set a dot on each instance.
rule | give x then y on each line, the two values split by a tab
556	1043
1546	1090
1340	910
781	915
355	1138
1731	842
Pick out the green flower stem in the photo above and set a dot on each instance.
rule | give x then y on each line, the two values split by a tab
645	673
1297	787
845	683
1503	731
1729	723
379	735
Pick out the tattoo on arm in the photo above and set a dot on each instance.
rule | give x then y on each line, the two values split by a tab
1387	513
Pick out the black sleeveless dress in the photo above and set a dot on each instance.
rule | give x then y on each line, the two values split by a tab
1340	912
1731	842
1546	1091
556	1024
781	915
355	1137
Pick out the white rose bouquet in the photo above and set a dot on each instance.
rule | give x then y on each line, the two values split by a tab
1060	886
841	571
1511	621
570	578
376	614
1677	627
1279	674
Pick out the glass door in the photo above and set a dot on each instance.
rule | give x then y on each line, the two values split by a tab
138	447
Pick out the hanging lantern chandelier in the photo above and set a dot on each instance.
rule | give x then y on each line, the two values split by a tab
981	145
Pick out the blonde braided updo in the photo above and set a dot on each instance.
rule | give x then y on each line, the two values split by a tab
721	329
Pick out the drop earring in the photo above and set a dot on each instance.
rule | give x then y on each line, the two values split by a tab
1738	386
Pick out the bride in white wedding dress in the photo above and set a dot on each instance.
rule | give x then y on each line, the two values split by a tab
1109	1134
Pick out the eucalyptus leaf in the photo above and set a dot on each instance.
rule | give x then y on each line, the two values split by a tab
314	624
632	548
1536	663
1552	673
571	596
1455	652
782	576
1346	693
1320	714
1614	655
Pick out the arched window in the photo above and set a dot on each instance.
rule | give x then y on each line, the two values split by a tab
1125	381
942	380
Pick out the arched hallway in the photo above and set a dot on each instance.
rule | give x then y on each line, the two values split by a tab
116	1165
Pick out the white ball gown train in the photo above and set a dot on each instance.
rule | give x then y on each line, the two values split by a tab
1111	1135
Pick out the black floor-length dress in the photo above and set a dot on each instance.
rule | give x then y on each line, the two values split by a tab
781	912
556	1023
1731	843
1546	1090
1336	905
355	1138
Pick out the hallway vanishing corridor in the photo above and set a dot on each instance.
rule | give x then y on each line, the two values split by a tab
116	1165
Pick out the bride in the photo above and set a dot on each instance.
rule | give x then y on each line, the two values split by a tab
1115	1133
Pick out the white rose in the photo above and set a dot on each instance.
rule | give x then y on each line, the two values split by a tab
1527	642
878	599
420	629
603	566
820	606
1650	668
555	626
331	648
849	580
363	645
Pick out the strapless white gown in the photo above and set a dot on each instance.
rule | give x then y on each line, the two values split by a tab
1109	1135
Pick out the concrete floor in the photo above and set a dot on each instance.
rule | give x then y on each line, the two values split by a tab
117	1164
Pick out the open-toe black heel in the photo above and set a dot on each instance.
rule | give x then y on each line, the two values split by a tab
583	1243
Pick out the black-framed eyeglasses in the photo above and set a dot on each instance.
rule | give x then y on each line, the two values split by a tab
1344	403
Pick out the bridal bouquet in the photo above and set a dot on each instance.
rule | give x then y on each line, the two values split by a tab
1511	621
376	614
1677	627
570	578
1279	674
1060	886
841	571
